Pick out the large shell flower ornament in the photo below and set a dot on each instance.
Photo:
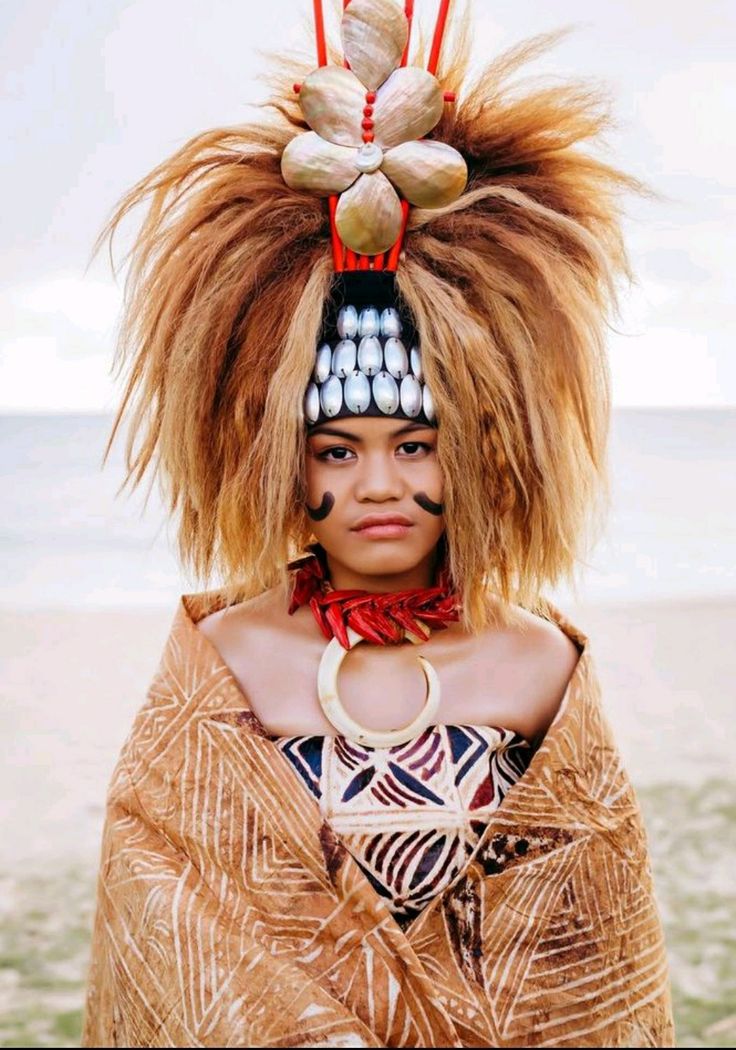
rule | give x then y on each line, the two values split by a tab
366	121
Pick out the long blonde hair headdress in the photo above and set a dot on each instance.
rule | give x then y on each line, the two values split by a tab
505	250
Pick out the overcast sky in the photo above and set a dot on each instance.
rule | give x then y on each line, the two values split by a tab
95	93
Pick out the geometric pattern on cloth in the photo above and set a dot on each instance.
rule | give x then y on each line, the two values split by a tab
411	815
228	914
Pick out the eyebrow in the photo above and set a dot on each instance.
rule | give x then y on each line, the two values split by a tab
333	432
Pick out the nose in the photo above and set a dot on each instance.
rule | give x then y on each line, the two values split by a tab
379	479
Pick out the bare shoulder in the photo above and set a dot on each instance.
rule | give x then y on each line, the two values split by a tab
234	617
538	660
255	629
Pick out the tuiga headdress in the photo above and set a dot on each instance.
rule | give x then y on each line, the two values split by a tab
366	152
392	236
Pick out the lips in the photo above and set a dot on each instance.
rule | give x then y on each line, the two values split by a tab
380	519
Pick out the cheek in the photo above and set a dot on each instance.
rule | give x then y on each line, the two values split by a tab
324	498
430	480
318	481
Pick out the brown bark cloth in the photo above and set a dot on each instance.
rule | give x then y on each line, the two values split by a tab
228	914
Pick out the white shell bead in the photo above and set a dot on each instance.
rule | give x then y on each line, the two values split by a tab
370	355
386	393
416	362
357	392
330	396
343	358
428	404
369	323
391	322
347	322
369	157
322	363
410	393
311	403
396	358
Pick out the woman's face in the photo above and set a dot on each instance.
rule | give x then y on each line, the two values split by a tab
374	496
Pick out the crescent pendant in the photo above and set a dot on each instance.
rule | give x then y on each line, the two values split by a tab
345	724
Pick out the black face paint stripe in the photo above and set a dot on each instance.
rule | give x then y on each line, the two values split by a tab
428	504
320	513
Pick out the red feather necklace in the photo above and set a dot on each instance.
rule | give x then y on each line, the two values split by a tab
379	618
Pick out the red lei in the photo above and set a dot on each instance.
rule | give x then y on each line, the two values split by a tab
377	617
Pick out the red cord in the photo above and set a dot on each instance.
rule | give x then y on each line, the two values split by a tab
319	28
338	248
342	257
408	11
439	30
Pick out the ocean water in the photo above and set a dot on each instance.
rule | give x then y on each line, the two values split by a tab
67	540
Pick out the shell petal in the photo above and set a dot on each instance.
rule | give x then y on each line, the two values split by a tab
428	174
374	35
310	162
368	215
332	100
407	106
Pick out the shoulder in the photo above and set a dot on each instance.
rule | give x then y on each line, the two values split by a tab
540	659
248	626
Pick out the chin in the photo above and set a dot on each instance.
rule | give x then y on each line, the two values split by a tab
386	557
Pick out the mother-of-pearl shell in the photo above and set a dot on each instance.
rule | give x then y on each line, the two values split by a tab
368	214
408	105
374	35
429	174
330	396
396	358
332	99
311	403
370	355
347	322
369	322
410	393
322	363
357	392
415	357
343	358
391	322
311	163
428	402
386	393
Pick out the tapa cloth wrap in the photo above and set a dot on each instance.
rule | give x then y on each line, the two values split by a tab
228	914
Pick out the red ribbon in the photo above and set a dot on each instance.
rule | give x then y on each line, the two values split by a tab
379	618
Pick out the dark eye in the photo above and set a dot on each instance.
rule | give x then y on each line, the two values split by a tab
336	454
412	448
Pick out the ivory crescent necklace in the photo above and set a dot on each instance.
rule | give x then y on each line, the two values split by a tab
345	724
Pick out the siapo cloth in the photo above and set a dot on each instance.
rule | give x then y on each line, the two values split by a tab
229	914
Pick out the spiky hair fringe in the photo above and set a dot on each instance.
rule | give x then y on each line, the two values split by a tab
511	287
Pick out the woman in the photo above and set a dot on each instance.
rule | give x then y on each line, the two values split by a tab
372	798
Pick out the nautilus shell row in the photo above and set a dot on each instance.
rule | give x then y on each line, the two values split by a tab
367	369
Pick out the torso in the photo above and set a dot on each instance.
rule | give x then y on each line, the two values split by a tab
511	677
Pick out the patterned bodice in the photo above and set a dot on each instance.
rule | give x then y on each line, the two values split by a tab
411	815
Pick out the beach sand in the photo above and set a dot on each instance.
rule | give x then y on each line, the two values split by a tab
73	679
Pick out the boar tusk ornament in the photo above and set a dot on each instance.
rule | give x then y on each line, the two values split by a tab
345	724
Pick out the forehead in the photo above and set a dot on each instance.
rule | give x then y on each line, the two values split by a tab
369	429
